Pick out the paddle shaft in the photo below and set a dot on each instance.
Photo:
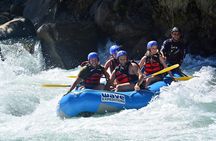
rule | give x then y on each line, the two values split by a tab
154	74
55	85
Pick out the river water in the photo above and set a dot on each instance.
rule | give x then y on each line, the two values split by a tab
184	111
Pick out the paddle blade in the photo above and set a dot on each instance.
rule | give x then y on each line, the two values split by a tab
184	78
166	69
72	76
55	85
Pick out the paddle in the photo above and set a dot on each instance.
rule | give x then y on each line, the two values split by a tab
184	78
154	74
55	85
72	76
165	70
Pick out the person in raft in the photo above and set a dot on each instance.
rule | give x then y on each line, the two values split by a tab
112	63
153	62
173	50
127	74
91	74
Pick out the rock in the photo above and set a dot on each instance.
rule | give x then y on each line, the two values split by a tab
4	17
47	34
5	5
197	19
66	45
40	11
18	27
131	23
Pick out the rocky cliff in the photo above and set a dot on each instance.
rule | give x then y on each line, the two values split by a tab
69	29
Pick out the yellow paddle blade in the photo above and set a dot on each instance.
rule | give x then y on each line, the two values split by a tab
184	78
55	85
72	76
166	69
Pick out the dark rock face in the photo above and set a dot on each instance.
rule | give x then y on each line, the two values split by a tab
4	17
18	27
127	22
65	45
69	34
70	29
12	25
5	5
197	19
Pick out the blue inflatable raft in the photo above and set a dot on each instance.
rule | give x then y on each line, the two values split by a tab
87	102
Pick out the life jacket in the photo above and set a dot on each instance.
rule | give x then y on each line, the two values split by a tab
122	74
114	64
152	64
94	75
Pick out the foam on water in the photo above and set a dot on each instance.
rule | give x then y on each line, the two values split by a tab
184	111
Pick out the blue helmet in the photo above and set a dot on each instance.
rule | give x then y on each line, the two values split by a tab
114	49
151	44
121	53
93	55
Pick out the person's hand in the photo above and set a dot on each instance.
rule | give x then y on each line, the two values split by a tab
173	79
164	58
136	87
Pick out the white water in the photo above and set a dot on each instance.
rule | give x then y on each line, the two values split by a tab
184	111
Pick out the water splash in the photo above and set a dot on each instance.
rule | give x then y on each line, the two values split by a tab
183	111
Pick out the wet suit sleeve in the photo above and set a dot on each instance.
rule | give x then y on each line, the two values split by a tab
164	48
185	50
84	73
182	52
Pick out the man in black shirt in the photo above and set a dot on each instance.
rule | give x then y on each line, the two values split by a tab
173	49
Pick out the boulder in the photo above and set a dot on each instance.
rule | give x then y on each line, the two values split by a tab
74	26
66	45
18	27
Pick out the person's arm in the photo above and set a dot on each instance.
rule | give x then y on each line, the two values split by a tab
107	76
107	64
81	76
163	50
84	63
136	70
183	52
112	78
162	61
142	62
77	81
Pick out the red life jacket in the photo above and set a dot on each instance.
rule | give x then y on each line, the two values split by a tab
114	64
122	74
152	64
93	78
